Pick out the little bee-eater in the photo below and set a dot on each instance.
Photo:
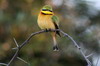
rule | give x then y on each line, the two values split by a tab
47	20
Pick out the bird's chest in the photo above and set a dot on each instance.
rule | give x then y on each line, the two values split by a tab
45	22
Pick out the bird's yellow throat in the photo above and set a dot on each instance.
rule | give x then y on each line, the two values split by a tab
47	12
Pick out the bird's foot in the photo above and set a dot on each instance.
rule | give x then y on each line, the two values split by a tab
47	30
55	48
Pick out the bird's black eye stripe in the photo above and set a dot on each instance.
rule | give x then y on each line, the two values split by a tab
46	10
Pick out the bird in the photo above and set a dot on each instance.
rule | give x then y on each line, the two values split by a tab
47	20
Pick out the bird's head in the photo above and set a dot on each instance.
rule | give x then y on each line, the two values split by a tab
47	10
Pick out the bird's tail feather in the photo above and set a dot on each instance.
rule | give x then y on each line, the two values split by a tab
55	47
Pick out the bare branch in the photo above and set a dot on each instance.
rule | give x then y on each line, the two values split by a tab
42	31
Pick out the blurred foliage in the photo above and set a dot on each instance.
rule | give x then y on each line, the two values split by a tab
78	18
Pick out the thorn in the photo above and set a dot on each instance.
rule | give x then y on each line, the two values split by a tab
15	42
79	47
89	55
23	60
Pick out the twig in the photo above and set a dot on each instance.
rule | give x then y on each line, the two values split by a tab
15	55
23	60
3	64
42	31
16	42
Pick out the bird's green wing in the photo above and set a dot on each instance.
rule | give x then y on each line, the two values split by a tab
55	20
56	23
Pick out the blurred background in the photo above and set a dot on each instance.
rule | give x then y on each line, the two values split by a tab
79	18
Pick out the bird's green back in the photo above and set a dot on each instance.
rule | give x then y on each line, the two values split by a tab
55	19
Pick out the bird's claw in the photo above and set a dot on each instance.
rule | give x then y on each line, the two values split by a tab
55	48
47	30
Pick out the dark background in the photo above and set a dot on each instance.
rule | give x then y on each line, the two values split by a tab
79	18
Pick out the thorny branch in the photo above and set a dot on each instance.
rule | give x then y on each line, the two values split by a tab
39	32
